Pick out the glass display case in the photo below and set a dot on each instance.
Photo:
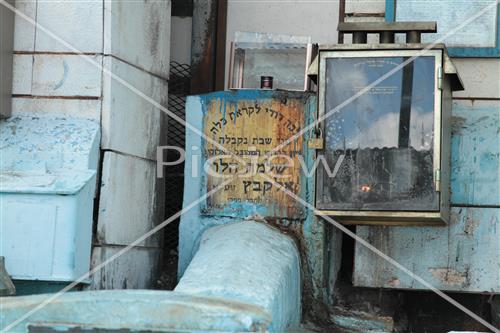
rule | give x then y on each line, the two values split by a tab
386	131
283	58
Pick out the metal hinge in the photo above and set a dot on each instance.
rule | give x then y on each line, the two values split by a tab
440	77
437	180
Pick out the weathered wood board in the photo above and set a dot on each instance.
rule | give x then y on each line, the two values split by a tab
254	130
465	255
475	153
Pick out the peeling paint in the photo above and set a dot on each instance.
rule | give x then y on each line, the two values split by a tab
449	276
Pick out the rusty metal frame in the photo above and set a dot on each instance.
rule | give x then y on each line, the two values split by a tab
208	45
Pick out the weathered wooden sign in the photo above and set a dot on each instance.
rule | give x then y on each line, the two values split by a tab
251	146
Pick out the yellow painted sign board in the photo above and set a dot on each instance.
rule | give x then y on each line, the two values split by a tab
250	143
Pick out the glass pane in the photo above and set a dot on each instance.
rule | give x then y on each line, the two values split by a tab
382	140
259	54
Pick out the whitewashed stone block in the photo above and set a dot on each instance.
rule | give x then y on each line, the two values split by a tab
131	201
24	31
131	123
135	269
480	77
52	107
21	74
66	75
139	33
79	23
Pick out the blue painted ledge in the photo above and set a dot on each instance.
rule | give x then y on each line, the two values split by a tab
138	310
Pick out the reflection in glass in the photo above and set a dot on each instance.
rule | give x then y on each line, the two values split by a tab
385	135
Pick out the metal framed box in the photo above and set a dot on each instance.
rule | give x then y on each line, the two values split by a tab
283	57
386	116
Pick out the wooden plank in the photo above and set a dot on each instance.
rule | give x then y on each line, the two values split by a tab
135	269
464	256
66	75
130	123
475	153
79	23
139	33
131	201
479	78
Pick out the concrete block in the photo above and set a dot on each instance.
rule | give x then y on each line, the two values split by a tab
24	31
58	108
463	256
66	75
139	33
131	201
135	269
79	23
248	262
130	123
478	76
22	74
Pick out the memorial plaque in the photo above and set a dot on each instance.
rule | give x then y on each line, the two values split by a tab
254	131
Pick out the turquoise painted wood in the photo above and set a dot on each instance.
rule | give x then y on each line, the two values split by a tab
465	255
475	152
487	52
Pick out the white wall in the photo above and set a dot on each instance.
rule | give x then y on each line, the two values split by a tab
317	19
